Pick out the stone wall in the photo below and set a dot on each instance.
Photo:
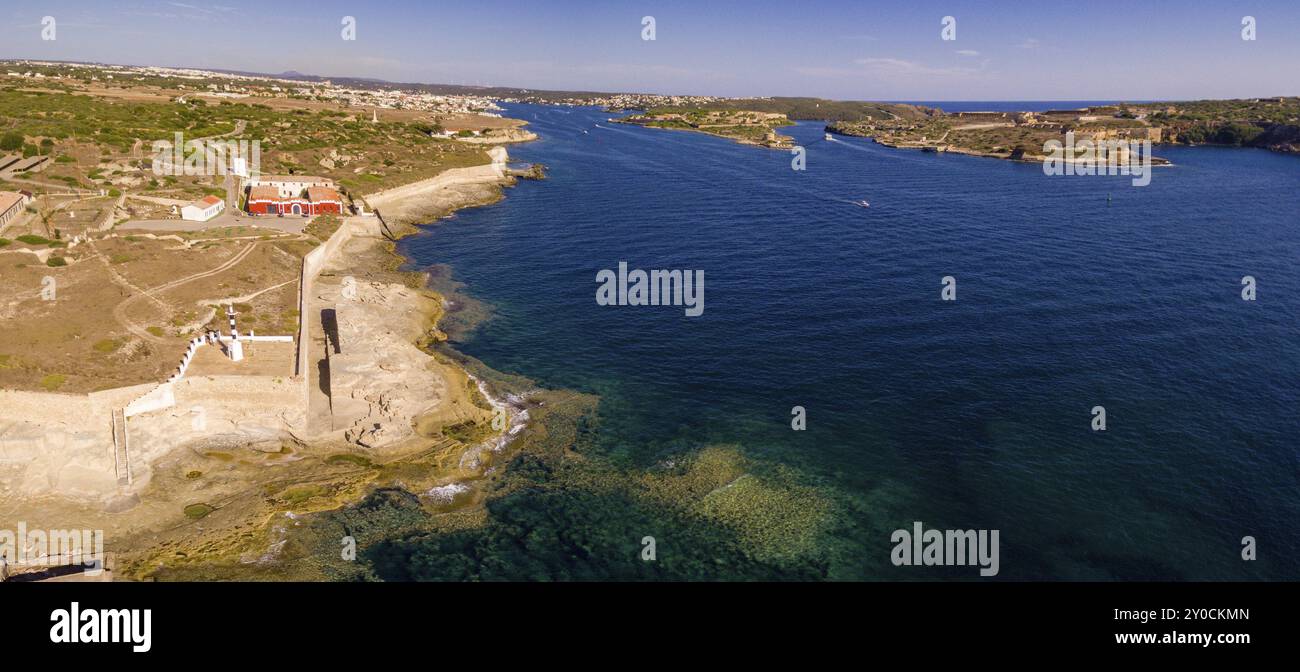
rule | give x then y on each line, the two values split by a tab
61	443
64	444
312	264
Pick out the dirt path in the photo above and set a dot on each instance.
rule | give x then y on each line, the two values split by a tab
119	311
974	127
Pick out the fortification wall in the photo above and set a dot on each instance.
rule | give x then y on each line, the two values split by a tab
312	264
238	409
492	172
63	442
51	412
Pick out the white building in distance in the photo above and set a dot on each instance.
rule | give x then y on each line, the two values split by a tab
203	209
12	204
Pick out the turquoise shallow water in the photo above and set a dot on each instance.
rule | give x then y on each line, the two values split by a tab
965	414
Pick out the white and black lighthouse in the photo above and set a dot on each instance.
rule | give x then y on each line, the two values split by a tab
236	348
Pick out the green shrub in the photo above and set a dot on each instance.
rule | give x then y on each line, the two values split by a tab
33	240
197	511
348	458
56	262
107	345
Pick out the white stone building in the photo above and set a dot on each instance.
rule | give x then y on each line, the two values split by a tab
203	209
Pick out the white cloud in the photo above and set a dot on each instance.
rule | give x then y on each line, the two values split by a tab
1030	43
898	71
967	52
898	66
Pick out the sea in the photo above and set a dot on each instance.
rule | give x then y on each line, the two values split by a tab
1106	375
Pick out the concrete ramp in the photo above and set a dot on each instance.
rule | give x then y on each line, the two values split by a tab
121	458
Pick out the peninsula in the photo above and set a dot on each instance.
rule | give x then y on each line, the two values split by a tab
747	127
191	355
1268	123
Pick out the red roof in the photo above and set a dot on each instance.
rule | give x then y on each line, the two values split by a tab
294	179
318	194
211	200
263	194
9	200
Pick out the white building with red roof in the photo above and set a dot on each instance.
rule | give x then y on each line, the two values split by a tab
203	209
279	199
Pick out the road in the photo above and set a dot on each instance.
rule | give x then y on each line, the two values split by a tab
225	219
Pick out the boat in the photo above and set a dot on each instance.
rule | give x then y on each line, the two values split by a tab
828	137
862	203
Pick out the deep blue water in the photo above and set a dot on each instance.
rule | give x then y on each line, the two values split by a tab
965	414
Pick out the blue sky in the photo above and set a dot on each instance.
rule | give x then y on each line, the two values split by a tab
862	49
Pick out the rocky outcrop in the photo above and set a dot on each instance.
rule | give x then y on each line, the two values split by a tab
379	378
1279	138
500	136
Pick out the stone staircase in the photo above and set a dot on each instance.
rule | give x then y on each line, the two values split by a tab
121	460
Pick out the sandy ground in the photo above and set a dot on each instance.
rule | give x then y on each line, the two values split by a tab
260	359
225	219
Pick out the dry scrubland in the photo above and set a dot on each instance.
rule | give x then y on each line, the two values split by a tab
1271	123
121	315
101	136
126	302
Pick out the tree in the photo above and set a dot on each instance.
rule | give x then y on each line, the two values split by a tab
11	141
